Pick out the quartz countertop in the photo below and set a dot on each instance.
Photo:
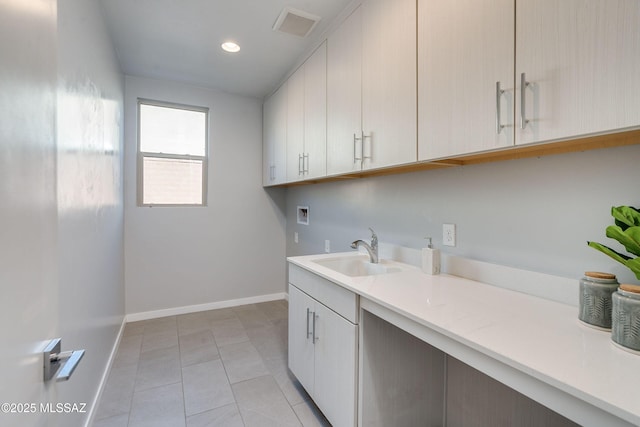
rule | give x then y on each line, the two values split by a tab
539	337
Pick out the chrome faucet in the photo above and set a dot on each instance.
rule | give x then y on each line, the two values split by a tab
372	249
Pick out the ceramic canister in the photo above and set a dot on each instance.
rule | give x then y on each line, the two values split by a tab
626	319
595	298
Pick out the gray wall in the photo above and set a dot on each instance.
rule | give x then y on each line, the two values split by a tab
180	257
61	244
89	196
535	214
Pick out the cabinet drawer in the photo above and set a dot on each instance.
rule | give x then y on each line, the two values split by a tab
337	298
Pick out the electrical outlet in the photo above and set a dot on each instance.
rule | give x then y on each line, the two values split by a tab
295	237
449	234
327	246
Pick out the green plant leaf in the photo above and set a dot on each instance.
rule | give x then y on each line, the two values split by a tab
634	265
610	252
630	238
634	234
626	216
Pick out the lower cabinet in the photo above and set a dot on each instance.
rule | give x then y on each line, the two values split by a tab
323	355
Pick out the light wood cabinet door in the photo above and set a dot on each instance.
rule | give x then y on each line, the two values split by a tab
274	138
301	348
465	47
344	96
335	366
315	114
295	126
581	59
389	92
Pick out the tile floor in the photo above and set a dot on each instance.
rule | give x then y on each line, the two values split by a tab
225	367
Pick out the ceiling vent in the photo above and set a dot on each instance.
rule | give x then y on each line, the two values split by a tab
296	22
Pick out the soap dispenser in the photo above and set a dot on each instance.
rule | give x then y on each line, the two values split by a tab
430	258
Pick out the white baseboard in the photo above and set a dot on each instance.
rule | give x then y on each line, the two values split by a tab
146	315
105	376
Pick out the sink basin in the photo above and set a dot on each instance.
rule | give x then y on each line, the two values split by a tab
358	266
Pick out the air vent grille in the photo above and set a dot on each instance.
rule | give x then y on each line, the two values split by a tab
295	22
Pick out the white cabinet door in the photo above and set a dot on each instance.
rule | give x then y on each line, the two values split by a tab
315	113
335	366
582	61
301	348
295	125
344	96
464	48
389	92
274	138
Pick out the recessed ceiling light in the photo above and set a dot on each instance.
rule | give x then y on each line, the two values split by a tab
230	47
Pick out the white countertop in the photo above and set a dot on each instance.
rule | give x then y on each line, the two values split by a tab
541	338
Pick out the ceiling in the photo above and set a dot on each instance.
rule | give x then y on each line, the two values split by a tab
180	40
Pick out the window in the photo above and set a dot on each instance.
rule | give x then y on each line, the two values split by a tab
172	154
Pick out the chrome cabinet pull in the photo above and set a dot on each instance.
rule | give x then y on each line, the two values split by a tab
355	139
305	169
315	338
272	172
300	168
308	333
499	93
370	146
523	86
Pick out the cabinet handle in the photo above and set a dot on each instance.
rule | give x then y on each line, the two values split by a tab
370	146
308	333
315	316
305	169
272	174
499	93
300	168
355	139
523	86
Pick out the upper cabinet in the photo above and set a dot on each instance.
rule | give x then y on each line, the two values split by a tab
295	126
569	69
307	119
371	88
465	76
315	113
580	61
295	123
389	92
344	96
488	75
274	138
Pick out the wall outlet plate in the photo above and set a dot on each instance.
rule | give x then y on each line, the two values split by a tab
327	246
449	234
295	237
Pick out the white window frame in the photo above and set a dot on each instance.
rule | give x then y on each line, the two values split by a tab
142	154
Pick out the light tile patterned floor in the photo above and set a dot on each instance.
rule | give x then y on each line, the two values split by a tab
224	367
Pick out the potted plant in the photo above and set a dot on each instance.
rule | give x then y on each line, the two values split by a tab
626	231
625	331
